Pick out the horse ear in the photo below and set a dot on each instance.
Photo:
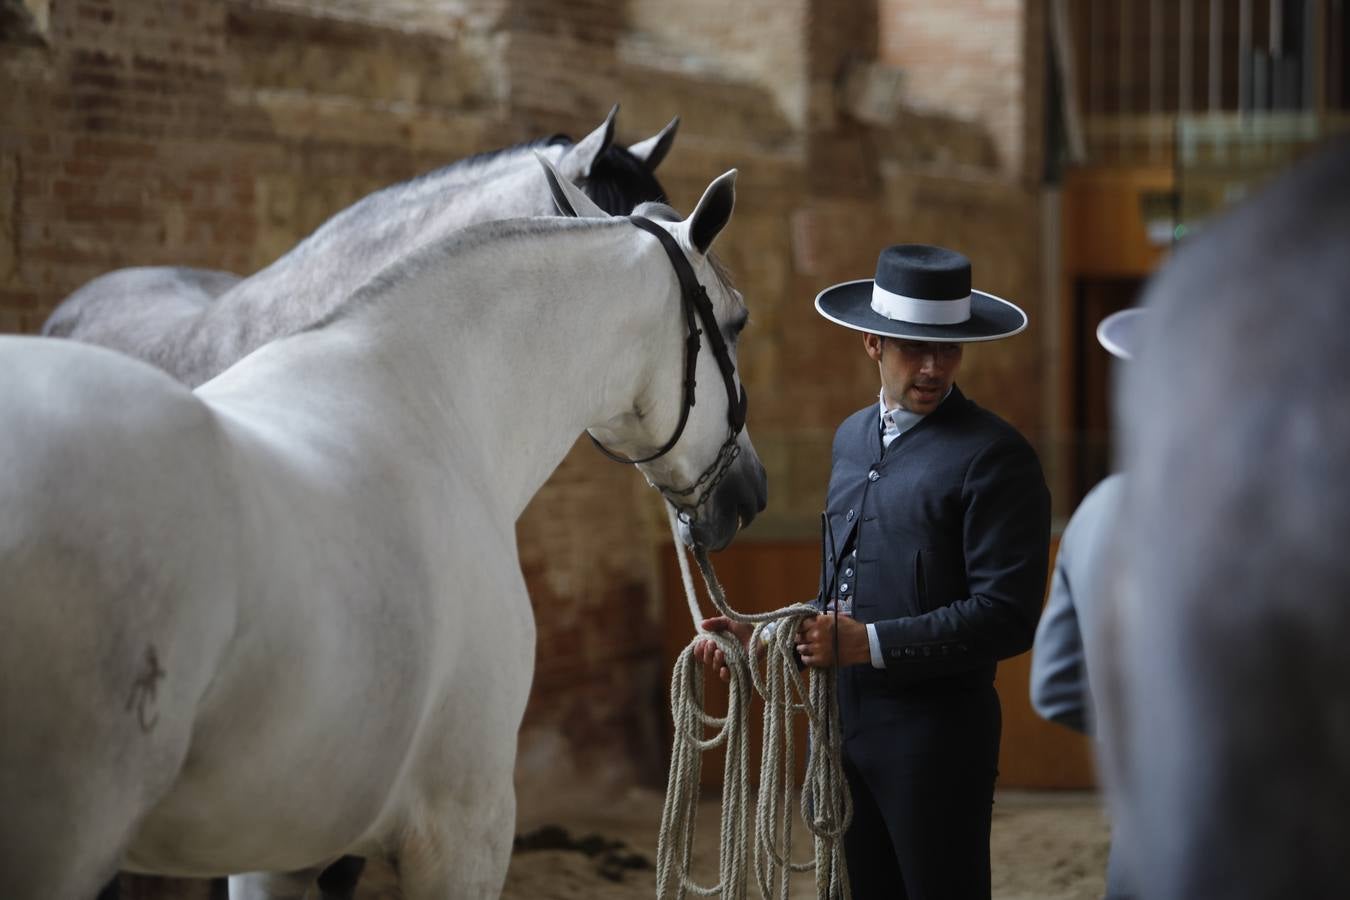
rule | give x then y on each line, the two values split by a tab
581	156
567	197
713	211
654	149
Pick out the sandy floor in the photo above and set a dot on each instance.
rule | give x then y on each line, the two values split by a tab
1046	846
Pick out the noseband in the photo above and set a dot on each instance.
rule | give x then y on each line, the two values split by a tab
697	306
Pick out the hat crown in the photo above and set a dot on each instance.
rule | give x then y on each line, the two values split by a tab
924	272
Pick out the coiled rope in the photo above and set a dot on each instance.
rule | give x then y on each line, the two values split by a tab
825	802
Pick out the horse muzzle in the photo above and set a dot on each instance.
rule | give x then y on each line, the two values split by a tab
739	497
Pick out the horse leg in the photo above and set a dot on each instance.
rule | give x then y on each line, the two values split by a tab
272	885
65	821
338	881
462	856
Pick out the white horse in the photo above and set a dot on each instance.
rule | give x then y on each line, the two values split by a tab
195	323
280	619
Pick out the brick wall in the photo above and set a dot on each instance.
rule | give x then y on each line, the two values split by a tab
217	133
966	58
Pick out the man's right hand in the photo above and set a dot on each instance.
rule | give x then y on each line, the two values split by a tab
706	651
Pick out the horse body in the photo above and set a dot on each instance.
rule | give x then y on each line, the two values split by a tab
1226	701
281	618
195	323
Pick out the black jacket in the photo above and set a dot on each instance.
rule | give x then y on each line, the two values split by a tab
949	531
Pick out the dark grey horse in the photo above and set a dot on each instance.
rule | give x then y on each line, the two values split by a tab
1226	709
195	323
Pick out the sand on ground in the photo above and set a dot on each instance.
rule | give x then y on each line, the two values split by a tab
1044	846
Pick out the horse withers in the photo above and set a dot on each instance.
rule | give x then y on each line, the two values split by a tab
1226	696
281	619
195	323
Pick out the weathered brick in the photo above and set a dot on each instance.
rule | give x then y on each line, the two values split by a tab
217	133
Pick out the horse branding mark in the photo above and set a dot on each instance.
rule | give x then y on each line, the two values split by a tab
143	691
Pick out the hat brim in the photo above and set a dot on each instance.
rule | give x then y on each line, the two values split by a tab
1118	332
850	304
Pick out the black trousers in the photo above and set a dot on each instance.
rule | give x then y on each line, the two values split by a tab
921	771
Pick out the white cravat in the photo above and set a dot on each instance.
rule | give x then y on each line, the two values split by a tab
895	422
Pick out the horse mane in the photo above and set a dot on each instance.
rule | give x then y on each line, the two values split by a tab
382	283
483	158
618	182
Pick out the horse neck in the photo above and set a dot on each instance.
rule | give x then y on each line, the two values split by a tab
321	272
546	333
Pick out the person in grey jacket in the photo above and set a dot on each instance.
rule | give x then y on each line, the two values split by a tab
1060	685
937	553
1066	648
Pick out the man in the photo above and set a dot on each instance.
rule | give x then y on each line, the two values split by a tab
1066	641
1060	687
940	521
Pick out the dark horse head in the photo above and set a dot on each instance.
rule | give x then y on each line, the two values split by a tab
615	176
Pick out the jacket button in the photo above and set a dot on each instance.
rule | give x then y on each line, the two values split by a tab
848	573
843	588
873	475
849	517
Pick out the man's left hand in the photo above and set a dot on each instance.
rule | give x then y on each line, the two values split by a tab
815	641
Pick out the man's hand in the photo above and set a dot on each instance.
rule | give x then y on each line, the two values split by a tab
706	652
815	641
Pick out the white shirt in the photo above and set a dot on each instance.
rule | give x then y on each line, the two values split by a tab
895	422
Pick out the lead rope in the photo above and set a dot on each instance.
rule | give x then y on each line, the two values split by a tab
825	802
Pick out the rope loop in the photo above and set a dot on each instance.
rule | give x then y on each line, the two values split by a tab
787	692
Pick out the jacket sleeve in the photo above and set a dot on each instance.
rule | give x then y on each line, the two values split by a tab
1006	547
1058	670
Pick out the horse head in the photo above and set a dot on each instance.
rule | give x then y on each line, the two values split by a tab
617	178
684	427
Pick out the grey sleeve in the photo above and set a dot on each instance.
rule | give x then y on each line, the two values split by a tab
1059	687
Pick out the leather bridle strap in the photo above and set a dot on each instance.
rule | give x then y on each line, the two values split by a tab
697	306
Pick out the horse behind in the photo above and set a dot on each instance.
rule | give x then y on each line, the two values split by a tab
195	323
1226	713
281	618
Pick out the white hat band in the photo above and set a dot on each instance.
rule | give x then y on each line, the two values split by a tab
920	312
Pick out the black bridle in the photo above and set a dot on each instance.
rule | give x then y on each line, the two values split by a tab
697	306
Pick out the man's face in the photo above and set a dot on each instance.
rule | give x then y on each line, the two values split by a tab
914	374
